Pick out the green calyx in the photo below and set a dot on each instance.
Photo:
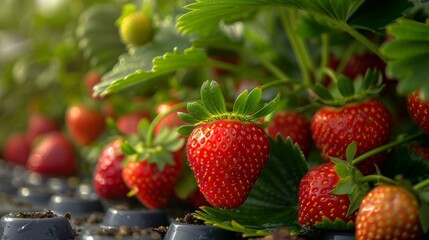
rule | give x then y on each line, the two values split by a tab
346	90
158	152
350	182
246	107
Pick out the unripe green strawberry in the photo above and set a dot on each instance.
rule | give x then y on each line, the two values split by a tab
388	212
135	29
227	151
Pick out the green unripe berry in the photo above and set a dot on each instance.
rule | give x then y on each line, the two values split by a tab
135	29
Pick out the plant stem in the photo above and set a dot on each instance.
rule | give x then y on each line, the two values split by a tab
158	118
377	178
223	65
361	38
297	45
385	147
421	185
278	83
324	56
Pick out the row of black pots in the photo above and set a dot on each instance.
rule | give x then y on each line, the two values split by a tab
49	193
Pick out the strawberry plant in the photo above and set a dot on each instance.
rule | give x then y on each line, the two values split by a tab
355	70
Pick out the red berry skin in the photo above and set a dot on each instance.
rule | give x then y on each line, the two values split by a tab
107	177
388	212
418	110
17	149
358	64
315	200
153	187
39	124
293	125
54	155
128	123
368	123
227	157
421	150
91	79
85	124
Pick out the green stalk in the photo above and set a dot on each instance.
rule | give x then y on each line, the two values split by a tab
158	118
278	83
385	147
223	65
297	45
377	178
324	56
421	185
361	38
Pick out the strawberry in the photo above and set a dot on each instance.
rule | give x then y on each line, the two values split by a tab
152	185
418	110
316	202
84	123
17	149
152	168
226	151
358	64
39	124
421	150
54	155
107	177
388	212
293	125
367	122
128	123
135	29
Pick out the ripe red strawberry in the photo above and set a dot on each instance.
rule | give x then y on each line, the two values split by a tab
418	109
358	64
39	124
226	151
128	123
421	150
107	177
316	202
368	123
153	185
388	212
17	149
84	123
53	156
293	125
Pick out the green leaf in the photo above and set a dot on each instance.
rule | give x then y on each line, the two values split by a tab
351	151
127	148
424	216
337	225
367	16
273	200
323	92
252	100
98	36
407	163
212	97
185	130
345	86
205	15
143	65
186	117
408	53
239	102
267	108
198	111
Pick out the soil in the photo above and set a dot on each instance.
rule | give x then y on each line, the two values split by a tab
46	214
190	219
279	234
93	218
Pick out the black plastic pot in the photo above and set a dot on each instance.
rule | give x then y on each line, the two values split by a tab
337	235
75	205
142	218
55	228
184	231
